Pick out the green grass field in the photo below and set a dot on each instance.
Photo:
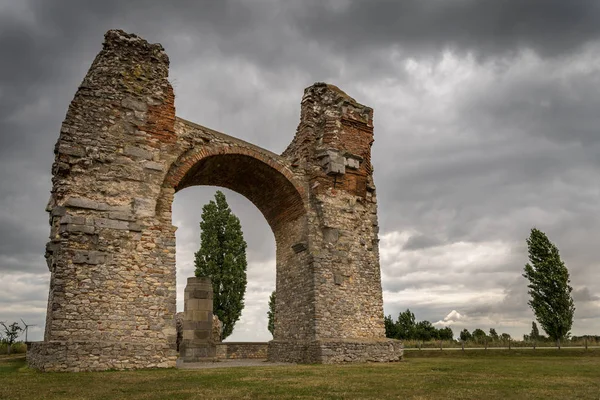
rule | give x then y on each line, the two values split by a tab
545	374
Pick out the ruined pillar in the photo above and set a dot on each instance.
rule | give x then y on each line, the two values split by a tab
112	260
333	146
197	344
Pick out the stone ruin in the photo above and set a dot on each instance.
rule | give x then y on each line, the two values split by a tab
121	156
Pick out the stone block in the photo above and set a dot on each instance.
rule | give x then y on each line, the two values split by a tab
199	305
138	152
58	211
88	257
76	228
123	216
153	165
333	161
75	151
201	294
144	207
134	104
72	219
82	202
197	325
135	227
201	334
111	223
352	163
335	168
197	315
195	281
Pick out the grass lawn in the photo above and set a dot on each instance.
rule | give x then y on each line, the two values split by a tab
543	374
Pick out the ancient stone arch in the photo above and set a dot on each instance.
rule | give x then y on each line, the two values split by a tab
121	156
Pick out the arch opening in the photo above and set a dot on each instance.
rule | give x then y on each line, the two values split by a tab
267	188
187	211
273	189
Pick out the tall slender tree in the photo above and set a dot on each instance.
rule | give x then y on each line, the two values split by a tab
493	334
222	257
406	327
391	330
549	288
465	335
535	333
271	313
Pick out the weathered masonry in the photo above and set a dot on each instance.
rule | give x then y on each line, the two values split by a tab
122	155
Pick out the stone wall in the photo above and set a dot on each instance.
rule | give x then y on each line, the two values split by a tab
237	350
335	351
120	158
76	356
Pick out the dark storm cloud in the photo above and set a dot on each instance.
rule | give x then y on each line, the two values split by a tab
487	27
557	105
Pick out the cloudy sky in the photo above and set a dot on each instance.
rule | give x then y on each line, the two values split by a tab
487	123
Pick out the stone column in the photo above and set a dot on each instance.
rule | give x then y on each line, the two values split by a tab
197	344
112	296
333	145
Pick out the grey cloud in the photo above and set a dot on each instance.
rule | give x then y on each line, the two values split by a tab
486	27
417	242
538	105
583	294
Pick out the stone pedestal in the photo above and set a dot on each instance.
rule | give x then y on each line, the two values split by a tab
197	344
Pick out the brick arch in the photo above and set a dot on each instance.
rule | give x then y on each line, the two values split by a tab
121	155
265	181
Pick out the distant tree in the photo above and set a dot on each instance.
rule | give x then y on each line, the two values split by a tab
425	331
505	337
10	334
479	335
222	257
406	326
535	333
445	333
390	327
549	287
465	335
493	334
271	313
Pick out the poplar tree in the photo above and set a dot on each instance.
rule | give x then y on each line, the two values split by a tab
535	333
549	287
222	257
271	313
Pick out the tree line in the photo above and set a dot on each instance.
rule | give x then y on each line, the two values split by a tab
405	327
